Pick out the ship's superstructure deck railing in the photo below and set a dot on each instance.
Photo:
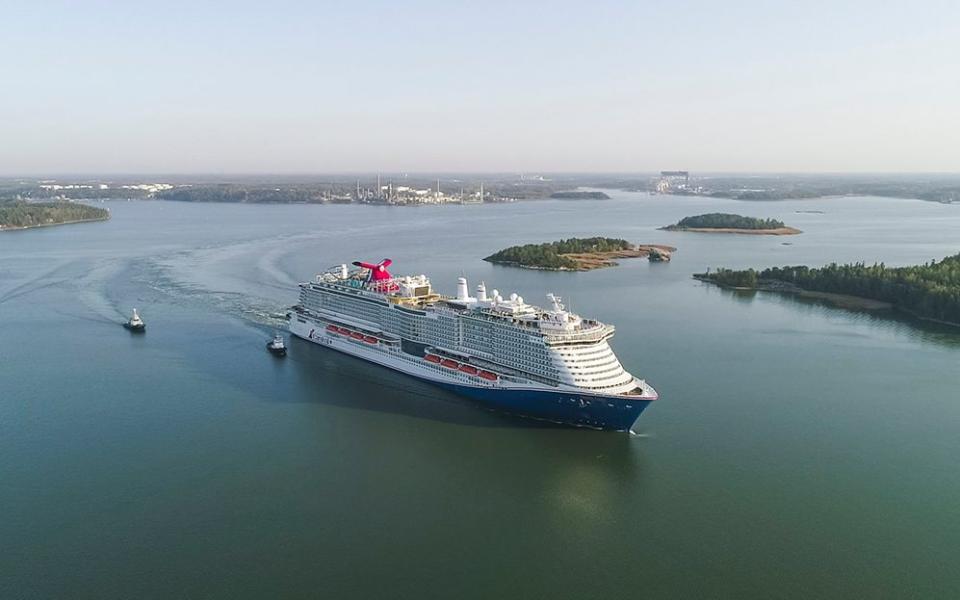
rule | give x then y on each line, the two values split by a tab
598	332
588	330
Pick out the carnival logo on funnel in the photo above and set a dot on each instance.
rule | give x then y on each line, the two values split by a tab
378	272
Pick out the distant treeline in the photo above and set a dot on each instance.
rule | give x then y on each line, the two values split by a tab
933	187
726	221
790	194
580	196
257	194
945	194
321	193
931	290
549	255
11	191
278	189
306	188
22	214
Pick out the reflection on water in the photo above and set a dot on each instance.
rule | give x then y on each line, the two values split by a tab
890	321
744	296
594	473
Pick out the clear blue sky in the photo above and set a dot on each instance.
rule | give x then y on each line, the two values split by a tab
315	87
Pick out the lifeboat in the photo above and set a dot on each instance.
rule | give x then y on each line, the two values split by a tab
468	369
370	339
450	364
333	329
432	358
488	375
356	335
343	331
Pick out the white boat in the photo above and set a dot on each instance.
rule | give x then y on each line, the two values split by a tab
135	323
546	363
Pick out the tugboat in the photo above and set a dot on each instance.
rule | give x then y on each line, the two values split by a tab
276	346
135	323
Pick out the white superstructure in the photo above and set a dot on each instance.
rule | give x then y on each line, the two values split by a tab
479	342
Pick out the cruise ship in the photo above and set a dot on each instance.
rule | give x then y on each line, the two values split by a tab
507	355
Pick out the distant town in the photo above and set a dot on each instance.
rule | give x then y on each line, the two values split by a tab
423	189
378	189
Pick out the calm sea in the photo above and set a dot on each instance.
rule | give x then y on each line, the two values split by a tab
798	450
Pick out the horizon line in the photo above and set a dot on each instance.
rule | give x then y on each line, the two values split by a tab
374	173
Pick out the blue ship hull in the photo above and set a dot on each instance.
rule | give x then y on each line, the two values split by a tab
568	408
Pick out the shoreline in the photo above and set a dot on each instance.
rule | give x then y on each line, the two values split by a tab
41	225
778	231
595	260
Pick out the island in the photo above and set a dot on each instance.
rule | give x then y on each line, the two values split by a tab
27	215
575	254
943	188
580	196
930	291
729	223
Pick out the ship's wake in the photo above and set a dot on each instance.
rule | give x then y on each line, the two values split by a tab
244	280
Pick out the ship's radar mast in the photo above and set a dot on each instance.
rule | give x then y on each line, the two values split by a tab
558	317
555	303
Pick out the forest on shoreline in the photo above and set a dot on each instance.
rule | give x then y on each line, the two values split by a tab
551	255
23	215
929	291
724	221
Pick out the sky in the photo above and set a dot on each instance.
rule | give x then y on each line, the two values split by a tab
331	87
